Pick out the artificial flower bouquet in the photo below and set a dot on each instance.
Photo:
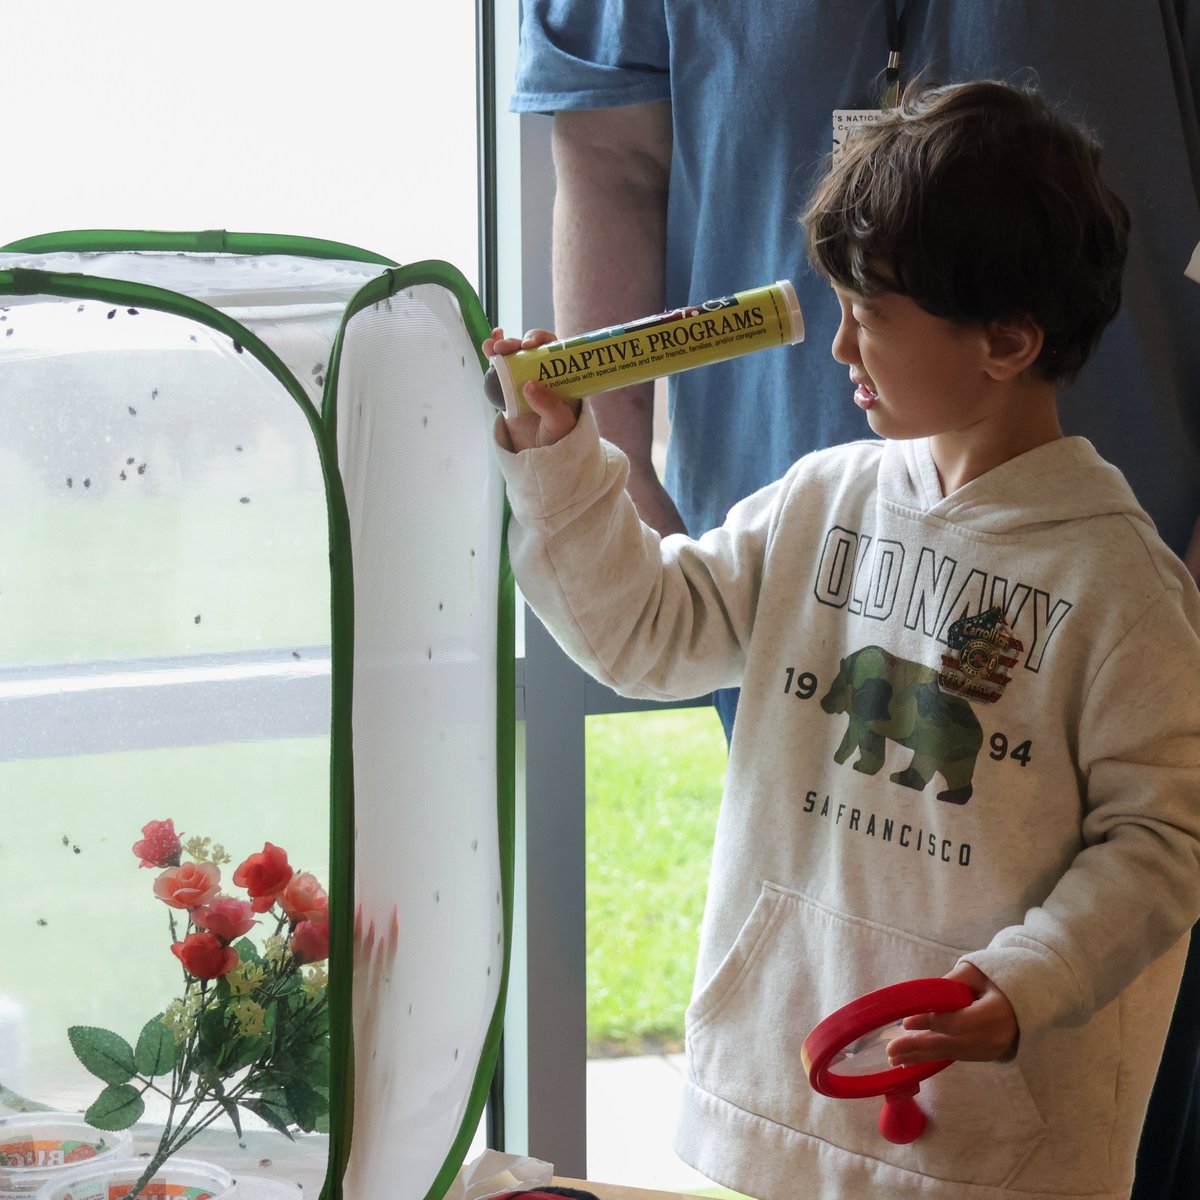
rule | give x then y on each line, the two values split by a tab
250	1029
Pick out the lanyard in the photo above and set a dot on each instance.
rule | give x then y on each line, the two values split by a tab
897	30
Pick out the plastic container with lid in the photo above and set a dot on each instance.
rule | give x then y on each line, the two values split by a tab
37	1148
176	1179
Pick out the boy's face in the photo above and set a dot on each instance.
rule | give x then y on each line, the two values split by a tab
915	375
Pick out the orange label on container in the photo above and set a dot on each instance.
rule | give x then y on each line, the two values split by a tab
46	1152
159	1189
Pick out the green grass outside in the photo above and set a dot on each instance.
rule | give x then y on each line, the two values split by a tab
653	790
654	783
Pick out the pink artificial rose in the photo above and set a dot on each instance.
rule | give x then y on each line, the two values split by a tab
204	956
159	846
264	876
226	917
310	940
189	885
304	899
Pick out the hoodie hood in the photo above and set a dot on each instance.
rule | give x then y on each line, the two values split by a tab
1063	480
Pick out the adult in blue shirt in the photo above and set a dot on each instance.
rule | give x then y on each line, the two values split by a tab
686	136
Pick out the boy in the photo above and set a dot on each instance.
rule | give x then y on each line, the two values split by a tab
969	734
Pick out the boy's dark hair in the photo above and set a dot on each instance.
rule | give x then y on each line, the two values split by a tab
979	203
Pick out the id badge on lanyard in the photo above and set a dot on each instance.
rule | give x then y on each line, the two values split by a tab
845	120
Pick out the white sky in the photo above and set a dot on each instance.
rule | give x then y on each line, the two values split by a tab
353	121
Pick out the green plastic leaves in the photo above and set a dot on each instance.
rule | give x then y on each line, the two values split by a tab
105	1054
112	1059
117	1107
157	1051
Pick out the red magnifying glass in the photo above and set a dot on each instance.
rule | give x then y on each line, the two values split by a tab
846	1056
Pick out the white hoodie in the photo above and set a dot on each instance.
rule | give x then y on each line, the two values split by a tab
969	728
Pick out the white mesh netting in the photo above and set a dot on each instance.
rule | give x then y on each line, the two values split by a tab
425	503
164	653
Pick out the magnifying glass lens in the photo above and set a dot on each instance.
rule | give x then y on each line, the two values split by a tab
845	1055
868	1054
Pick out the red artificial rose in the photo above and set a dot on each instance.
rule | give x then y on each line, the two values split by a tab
159	846
264	876
226	918
204	956
310	940
304	899
190	885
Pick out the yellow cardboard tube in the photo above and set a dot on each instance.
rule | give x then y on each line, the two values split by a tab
663	344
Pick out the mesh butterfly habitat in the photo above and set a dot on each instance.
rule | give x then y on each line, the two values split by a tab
256	685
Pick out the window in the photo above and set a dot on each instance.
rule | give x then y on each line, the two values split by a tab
353	122
348	123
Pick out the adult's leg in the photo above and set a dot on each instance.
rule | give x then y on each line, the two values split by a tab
1168	1161
725	701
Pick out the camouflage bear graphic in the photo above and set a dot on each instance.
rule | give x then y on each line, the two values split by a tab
889	697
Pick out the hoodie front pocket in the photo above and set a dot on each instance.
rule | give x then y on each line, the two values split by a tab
796	961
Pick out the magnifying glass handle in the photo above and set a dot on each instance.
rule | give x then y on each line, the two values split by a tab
901	1119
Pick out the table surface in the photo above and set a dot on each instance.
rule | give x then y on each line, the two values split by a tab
612	1191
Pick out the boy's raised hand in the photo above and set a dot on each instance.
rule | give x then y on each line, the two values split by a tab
552	416
984	1031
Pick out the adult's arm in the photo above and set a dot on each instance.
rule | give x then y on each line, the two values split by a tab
613	168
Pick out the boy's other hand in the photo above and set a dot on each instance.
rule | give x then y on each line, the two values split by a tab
552	416
984	1031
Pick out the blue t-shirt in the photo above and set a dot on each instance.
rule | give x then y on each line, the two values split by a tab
753	86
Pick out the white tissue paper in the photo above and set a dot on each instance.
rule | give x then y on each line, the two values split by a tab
1192	270
493	1174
